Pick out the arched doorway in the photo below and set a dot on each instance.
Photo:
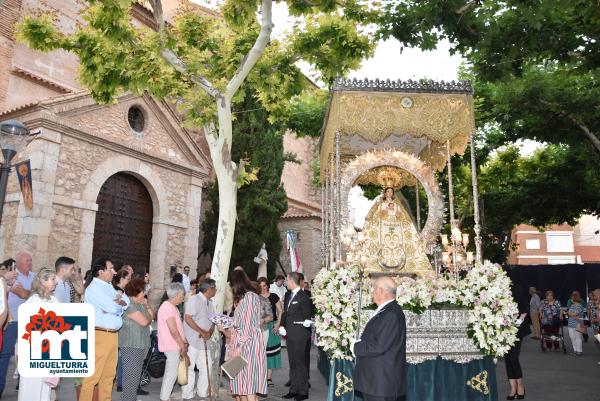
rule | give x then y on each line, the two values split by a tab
123	229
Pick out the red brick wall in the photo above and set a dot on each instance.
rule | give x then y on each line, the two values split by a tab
10	12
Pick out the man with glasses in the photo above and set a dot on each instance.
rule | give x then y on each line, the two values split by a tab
17	295
198	328
109	307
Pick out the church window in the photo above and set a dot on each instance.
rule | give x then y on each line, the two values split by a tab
136	118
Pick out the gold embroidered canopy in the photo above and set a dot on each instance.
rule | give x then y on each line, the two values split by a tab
415	117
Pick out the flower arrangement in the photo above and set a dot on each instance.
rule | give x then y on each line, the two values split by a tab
485	291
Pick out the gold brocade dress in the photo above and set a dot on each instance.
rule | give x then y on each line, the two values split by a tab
392	242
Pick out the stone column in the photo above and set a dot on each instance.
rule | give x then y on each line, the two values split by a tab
33	227
194	204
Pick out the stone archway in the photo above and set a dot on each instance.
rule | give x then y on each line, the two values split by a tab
413	165
153	184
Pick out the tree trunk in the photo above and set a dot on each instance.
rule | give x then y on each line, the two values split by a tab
226	171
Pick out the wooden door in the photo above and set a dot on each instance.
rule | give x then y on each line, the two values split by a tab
123	230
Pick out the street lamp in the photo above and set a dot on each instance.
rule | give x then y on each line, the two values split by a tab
13	138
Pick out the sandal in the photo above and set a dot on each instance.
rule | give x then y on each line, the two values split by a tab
270	383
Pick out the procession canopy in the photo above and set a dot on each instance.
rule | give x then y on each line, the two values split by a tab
417	117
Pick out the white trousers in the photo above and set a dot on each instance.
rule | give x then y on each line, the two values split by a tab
576	339
198	359
34	388
265	334
170	376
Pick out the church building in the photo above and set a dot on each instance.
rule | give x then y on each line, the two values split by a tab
122	180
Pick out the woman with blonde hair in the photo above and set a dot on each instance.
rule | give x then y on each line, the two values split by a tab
39	388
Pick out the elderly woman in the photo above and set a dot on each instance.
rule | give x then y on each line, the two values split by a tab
551	318
171	340
134	338
575	313
39	388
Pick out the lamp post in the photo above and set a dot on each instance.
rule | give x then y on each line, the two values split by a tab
13	137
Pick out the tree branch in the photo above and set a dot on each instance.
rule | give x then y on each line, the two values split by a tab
591	136
170	56
250	60
468	6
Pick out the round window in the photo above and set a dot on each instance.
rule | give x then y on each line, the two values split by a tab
136	118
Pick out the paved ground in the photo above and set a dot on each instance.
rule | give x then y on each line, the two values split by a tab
549	376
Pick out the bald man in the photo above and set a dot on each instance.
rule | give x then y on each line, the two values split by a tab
380	353
17	295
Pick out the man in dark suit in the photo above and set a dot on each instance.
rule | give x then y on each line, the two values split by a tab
297	310
380	373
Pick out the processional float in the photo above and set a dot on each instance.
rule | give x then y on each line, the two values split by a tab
395	134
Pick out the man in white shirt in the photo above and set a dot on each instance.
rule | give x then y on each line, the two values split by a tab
65	268
278	288
186	279
198	328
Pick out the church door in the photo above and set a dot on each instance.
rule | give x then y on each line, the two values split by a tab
123	230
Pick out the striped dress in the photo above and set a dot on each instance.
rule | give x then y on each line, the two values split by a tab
248	335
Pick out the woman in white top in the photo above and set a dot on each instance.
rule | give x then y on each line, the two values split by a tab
36	388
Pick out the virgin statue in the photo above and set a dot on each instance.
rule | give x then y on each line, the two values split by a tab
392	242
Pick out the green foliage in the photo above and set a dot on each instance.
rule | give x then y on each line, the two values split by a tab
556	184
261	202
305	113
116	56
535	66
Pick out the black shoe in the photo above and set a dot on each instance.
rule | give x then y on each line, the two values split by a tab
301	397
308	384
119	389
288	383
520	397
289	396
142	392
510	397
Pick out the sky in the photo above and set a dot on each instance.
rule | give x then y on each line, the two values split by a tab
388	62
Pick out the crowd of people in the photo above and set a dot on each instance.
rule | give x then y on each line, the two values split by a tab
182	323
548	319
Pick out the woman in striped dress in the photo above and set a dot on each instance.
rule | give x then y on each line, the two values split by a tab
247	340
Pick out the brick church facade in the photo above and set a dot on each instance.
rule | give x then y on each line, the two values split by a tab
124	177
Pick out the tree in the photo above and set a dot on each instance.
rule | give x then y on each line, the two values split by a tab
535	68
260	203
516	189
536	65
200	62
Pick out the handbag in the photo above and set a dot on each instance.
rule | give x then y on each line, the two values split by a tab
581	328
234	366
182	370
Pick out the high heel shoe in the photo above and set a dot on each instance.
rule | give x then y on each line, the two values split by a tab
520	396
511	397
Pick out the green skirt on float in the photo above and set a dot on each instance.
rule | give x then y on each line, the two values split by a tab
273	349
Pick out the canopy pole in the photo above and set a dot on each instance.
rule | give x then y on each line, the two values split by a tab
477	228
330	207
418	206
338	203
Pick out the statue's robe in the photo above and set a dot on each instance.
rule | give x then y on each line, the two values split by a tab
392	242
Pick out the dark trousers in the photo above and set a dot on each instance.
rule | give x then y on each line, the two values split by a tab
367	397
296	348
307	355
8	349
511	360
